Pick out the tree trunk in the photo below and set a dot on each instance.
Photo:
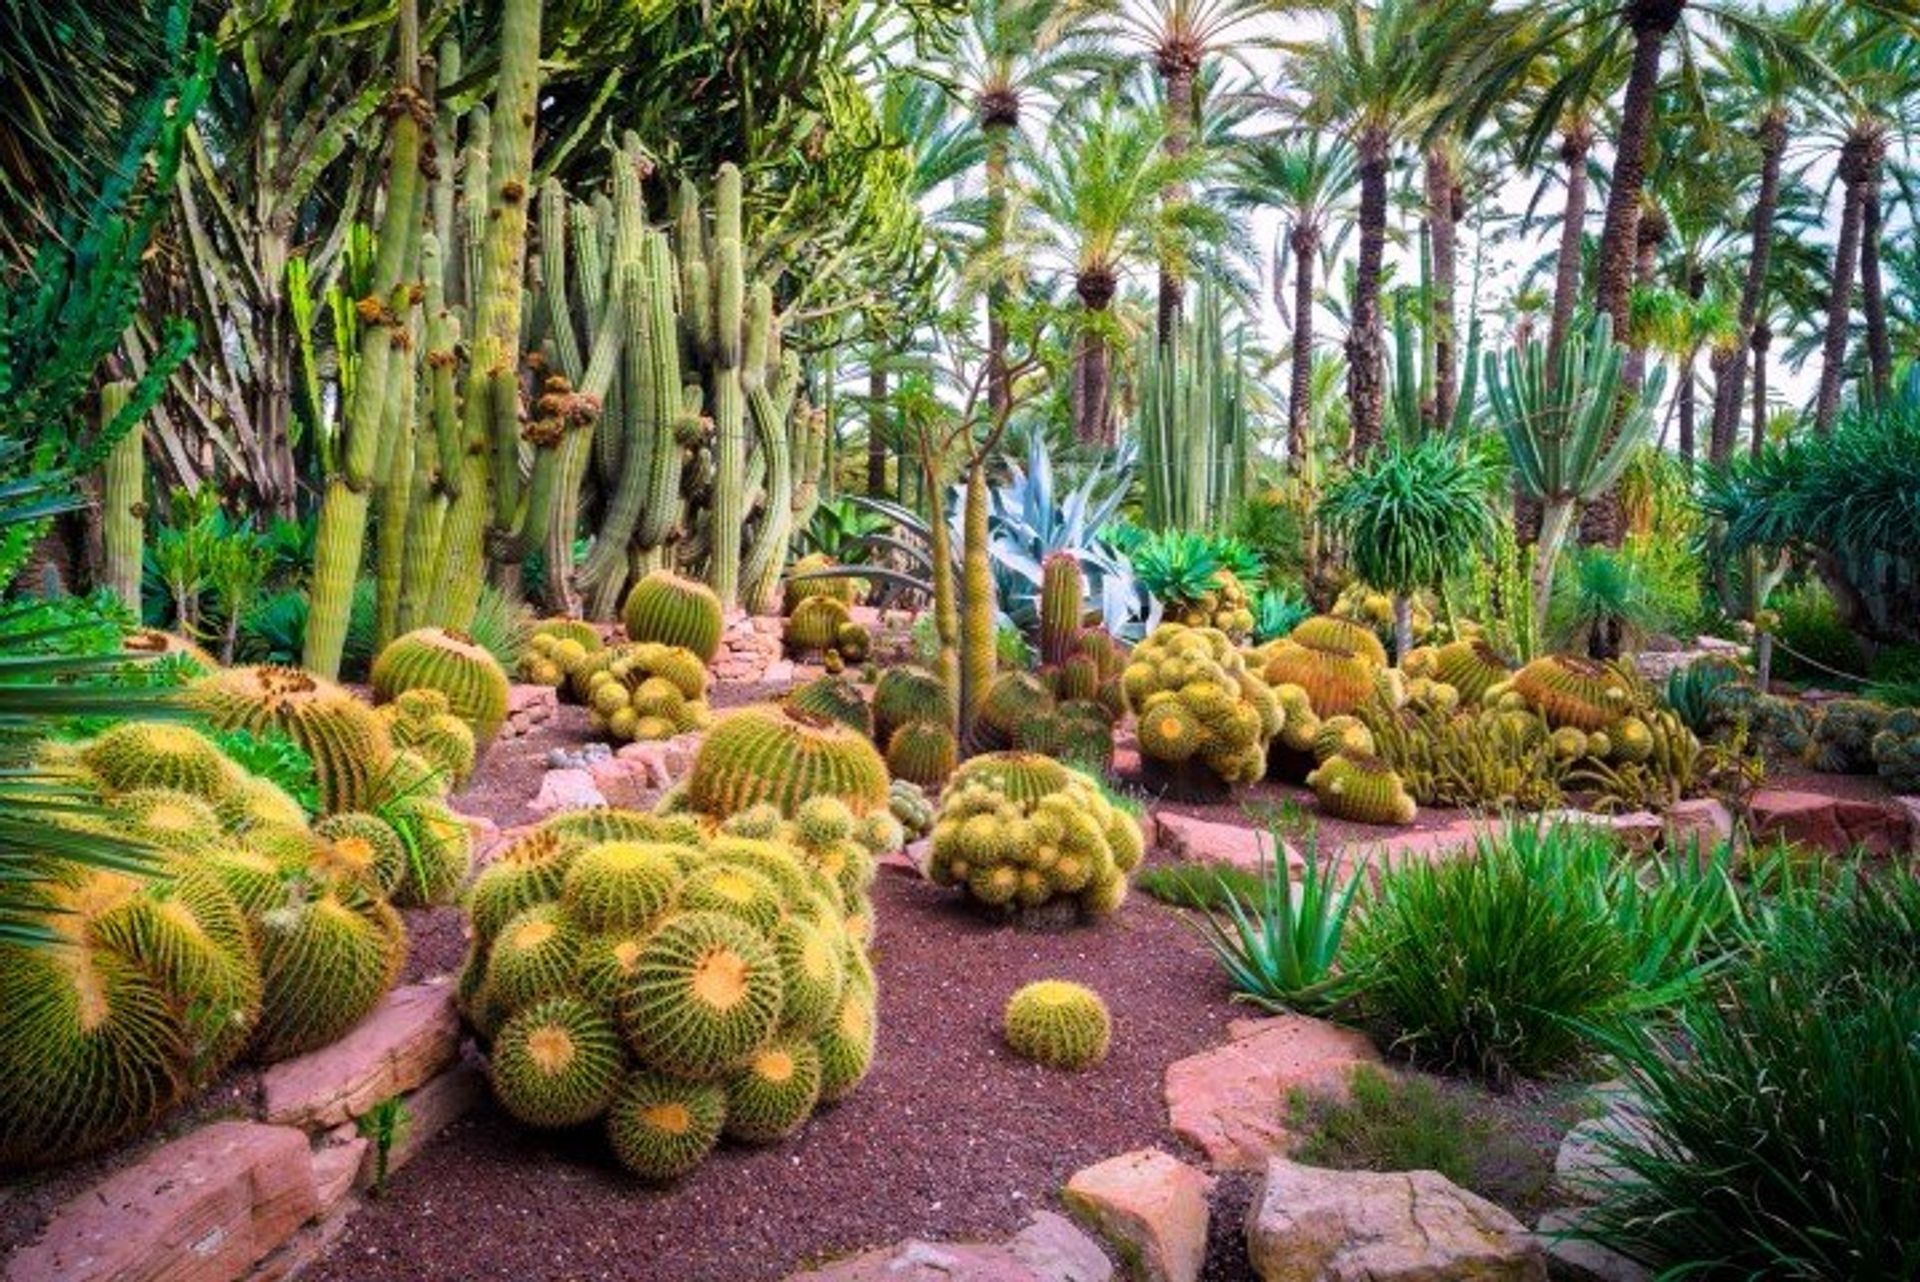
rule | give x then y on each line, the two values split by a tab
876	428
1873	299
1574	148
1856	168
1092	422
1365	388
999	390
1730	368
1651	22
1443	195
1648	237
1178	67
1762	340
1305	240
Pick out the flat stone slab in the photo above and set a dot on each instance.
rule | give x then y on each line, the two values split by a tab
206	1207
1835	824
1231	1102
1699	823
1050	1249
1151	1203
411	1035
1203	841
1584	1169
1308	1225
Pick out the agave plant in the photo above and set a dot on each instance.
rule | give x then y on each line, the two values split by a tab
840	529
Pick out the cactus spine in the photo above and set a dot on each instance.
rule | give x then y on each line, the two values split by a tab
123	500
343	512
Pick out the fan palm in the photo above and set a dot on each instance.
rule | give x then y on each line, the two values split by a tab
1309	178
1096	202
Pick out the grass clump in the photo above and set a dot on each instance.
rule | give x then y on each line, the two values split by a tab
1389	1123
1784	1119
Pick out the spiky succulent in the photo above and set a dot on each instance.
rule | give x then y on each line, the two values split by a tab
1057	1023
365	845
645	690
1015	829
922	752
153	754
329	951
842	588
1896	750
911	807
681	985
1202	716
814	625
1009	699
674	611
439	847
422	721
836	698
1571	691
1472	667
350	744
783	756
907	694
1332	632
1362	788
555	650
1337	681
452	663
1843	734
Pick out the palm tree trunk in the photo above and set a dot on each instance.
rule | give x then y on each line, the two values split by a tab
1305	240
1730	369
876	427
1575	145
1762	340
1178	67
1873	298
999	390
1443	195
1651	22
1092	424
1856	168
1365	388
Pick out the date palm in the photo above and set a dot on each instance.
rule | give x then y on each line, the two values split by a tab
1096	203
1309	179
1385	73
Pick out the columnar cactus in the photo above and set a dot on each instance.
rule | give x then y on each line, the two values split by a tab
123	501
1063	607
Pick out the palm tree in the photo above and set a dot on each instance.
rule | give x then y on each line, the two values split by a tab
1180	36
1096	201
1008	55
1308	178
1383	75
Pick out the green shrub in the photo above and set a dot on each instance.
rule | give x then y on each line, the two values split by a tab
1810	625
1207	887
1784	1124
1493	964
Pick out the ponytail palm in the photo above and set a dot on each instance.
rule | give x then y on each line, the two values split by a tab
1412	514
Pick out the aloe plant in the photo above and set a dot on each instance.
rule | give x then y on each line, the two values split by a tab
1556	415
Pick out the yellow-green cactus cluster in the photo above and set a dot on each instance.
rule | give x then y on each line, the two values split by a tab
824	626
1361	788
1198	705
1374	610
475	684
675	986
557	647
909	804
783	756
251	933
350	744
1059	1024
1017	830
1224	607
648	691
422	721
845	589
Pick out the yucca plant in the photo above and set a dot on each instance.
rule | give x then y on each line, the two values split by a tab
1282	951
1605	607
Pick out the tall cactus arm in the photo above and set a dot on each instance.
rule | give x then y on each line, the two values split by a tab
978	611
123	504
766	558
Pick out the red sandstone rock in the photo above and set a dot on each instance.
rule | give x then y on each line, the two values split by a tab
1804	817
1153	1203
410	1036
1231	1101
1203	841
1702	824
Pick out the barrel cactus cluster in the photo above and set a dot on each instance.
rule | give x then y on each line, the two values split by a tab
1840	736
1017	830
913	723
676	987
451	662
819	615
555	648
1204	717
253	935
351	745
647	690
421	721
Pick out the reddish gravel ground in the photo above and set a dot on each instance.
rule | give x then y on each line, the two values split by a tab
950	1137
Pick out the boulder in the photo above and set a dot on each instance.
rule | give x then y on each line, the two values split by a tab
1807	818
1577	1260
411	1035
206	1207
1231	1101
1049	1249
568	788
1312	1225
1909	807
1875	827
1152	1204
1203	841
1701	823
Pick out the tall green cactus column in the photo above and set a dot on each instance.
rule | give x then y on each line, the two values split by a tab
123	500
341	540
772	408
490	478
728	513
977	606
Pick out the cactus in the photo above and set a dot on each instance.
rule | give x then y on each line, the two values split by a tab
783	756
799	588
661	1127
153	643
771	409
1203	717
1361	788
978	611
1342	735
421	721
328	954
557	1063
150	992
666	608
1331	632
910	806
1063	606
438	659
836	698
647	691
621	887
907	694
922	752
775	1093
1337	681
1008	700
363	840
439	849
1843	734
1572	691
1076	731
1896	750
814	625
530	869
144	754
123	501
1058	1024
349	742
1020	829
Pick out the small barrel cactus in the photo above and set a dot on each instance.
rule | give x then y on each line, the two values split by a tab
675	611
838	699
1572	691
1058	1024
472	679
1896	750
1331	632
814	626
645	690
910	694
922	752
1362	788
422	721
